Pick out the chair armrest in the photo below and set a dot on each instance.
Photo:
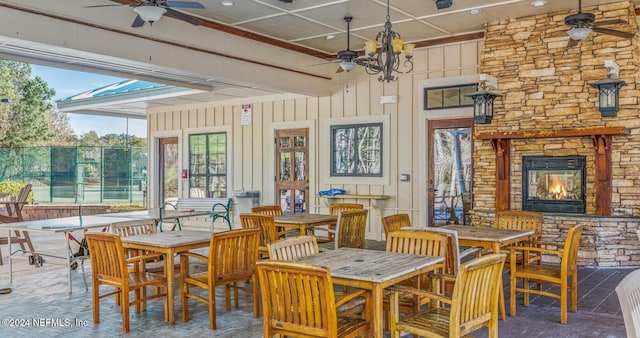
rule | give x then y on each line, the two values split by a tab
442	276
419	293
513	249
144	257
195	255
350	296
173	205
221	205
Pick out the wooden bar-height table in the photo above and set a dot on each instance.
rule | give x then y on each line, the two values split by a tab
491	238
372	270
302	222
169	243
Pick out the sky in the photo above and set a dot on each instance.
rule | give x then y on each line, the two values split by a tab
68	83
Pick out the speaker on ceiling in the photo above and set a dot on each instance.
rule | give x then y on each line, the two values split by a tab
441	4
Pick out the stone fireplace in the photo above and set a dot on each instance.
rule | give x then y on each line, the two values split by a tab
554	183
548	108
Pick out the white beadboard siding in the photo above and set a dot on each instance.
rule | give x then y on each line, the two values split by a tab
354	95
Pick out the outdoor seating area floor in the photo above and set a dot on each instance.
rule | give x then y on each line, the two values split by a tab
41	306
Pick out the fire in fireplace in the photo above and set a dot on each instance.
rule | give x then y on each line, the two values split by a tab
554	183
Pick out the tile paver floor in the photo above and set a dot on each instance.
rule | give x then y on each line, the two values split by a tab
42	294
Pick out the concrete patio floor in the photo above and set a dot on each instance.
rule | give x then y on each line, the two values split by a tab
42	294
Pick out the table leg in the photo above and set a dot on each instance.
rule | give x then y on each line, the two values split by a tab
168	265
503	314
376	315
10	258
302	229
69	258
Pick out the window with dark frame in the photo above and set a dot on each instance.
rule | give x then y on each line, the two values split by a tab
449	97
208	165
356	150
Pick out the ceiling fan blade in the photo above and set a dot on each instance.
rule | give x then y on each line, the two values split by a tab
613	32
137	22
184	4
184	17
340	70
610	22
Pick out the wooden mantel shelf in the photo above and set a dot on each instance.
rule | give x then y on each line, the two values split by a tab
378	200
573	132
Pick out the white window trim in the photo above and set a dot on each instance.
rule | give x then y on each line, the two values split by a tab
184	185
325	152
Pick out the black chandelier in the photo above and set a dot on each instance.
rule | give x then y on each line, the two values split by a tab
387	59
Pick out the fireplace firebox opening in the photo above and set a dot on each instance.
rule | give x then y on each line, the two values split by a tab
554	184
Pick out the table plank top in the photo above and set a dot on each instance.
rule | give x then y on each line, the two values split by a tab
64	224
169	239
305	219
488	234
370	265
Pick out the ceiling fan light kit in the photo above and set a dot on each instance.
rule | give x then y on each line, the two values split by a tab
150	14
387	59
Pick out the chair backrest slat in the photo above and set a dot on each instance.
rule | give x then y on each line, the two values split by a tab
271	210
475	294
351	229
266	225
336	208
628	291
292	248
520	220
395	222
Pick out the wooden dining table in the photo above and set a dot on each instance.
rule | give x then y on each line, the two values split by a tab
302	222
372	270
490	238
169	243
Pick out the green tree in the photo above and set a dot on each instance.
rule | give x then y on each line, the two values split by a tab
90	139
25	119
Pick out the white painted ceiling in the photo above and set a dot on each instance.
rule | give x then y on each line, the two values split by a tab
303	25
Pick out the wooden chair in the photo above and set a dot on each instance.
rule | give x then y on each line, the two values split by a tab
268	231
109	266
334	210
350	230
132	228
628	291
232	259
564	276
522	220
292	248
289	287
473	305
271	210
395	222
14	214
416	242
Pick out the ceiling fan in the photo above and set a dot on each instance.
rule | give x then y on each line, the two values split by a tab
582	24
152	10
349	58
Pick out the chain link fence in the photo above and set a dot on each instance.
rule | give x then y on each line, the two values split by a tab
80	174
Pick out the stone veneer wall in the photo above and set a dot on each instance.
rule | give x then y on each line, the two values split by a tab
545	85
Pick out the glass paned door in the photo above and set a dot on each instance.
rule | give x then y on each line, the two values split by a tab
450	171
292	172
169	172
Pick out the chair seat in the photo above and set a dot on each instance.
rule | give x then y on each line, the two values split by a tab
540	272
434	321
351	327
139	280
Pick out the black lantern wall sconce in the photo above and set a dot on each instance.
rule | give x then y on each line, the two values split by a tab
609	90
483	99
